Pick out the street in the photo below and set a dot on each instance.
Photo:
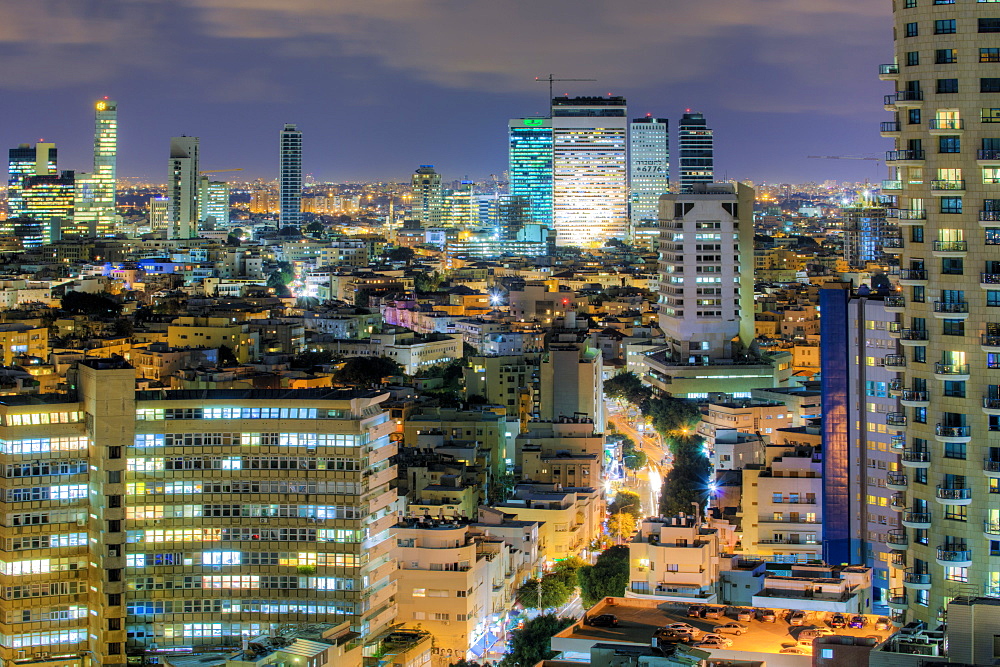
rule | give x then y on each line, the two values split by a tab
647	482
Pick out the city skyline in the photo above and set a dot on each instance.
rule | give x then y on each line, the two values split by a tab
689	61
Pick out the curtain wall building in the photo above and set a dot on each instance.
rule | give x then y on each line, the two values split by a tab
530	167
23	162
649	168
696	147
290	176
96	197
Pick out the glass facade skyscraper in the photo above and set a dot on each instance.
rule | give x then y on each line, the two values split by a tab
25	161
48	200
95	198
695	141
649	168
290	177
530	167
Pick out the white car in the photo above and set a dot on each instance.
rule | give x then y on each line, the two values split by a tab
712	638
685	627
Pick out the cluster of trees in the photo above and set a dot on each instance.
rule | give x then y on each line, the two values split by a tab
557	586
634	459
367	371
626	512
668	415
532	643
687	481
87	303
608	576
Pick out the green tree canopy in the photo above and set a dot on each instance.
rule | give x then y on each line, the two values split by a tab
627	501
687	481
627	387
555	593
533	643
367	371
673	416
621	526
608	577
632	457
401	254
90	304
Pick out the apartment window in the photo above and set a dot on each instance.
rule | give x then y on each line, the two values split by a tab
953	328
989	55
993	297
114	452
991	85
114	648
947	86
952	205
989	25
950	143
114	599
920	415
952	266
945	56
910	30
946	26
956	513
920	475
954	450
992	235
114	624
920	354
944	2
954	388
912	58
910	4
913	117
917	234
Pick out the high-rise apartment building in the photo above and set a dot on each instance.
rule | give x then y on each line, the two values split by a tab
696	148
24	161
185	520
213	203
96	197
427	195
590	170
290	177
648	169
947	162
866	231
182	188
530	168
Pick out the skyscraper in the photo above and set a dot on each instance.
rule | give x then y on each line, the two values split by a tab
696	163
947	164
48	200
427	195
24	161
866	230
530	167
95	205
648	168
290	178
182	188
213	203
590	170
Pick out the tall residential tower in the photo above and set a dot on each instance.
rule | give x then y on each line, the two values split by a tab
290	178
182	188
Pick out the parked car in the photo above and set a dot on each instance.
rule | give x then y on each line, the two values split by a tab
732	629
665	636
744	614
812	633
604	621
685	628
794	650
694	611
883	623
714	641
858	621
797	618
837	621
713	612
766	615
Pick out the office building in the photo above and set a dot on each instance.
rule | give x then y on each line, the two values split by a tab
427	199
178	521
290	177
49	201
947	159
213	203
590	170
96	197
159	209
530	169
648	169
182	188
696	147
24	161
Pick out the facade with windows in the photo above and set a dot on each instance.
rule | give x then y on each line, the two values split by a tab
649	169
24	162
946	108
290	181
96	195
173	521
696	143
530	168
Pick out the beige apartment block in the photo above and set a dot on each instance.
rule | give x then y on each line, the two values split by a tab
674	559
781	511
22	340
214	332
569	519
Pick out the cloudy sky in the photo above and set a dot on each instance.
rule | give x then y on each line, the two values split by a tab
381	86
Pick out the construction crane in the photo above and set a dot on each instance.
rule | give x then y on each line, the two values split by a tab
844	157
219	171
551	79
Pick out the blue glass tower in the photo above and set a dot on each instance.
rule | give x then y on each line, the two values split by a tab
530	166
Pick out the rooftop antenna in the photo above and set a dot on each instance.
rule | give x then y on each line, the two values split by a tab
551	79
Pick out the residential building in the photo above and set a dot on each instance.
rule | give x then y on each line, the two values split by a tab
950	211
213	203
530	171
571	384
290	176
866	230
590	170
182	188
427	195
569	518
649	169
674	559
215	332
22	340
696	151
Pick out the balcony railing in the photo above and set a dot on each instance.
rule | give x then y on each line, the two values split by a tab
939	184
919	578
951	555
896	479
892	242
897	537
989	216
988	154
951	307
946	124
906	154
894	361
897	443
894	301
913	274
889	69
991	403
897	598
909	214
951	369
916	456
953	431
895	419
989	278
891	185
950	246
960	493
990	340
913	334
915	395
909	95
897	501
989	465
917	517
991	527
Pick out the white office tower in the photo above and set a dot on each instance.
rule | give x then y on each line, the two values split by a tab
706	271
182	188
590	170
648	168
290	177
95	212
159	209
213	203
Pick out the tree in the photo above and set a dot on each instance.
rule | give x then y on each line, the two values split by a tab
621	526
628	388
310	359
367	371
634	459
227	357
90	304
565	571
608	577
533	643
315	227
687	481
673	416
501	489
628	502
554	592
401	254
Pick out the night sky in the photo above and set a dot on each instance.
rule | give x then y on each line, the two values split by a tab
381	86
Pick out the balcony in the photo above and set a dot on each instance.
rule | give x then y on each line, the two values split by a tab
915	458
990	342
897	419
950	248
892	245
897	600
945	433
953	310
913	398
920	581
951	557
906	157
913	337
906	99
892	186
989	280
897	502
943	188
911	217
913	277
946	125
896	539
954	496
988	157
896	481
893	329
895	387
991	529
894	361
991	405
897	443
895	303
889	72
991	468
918	520
989	218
